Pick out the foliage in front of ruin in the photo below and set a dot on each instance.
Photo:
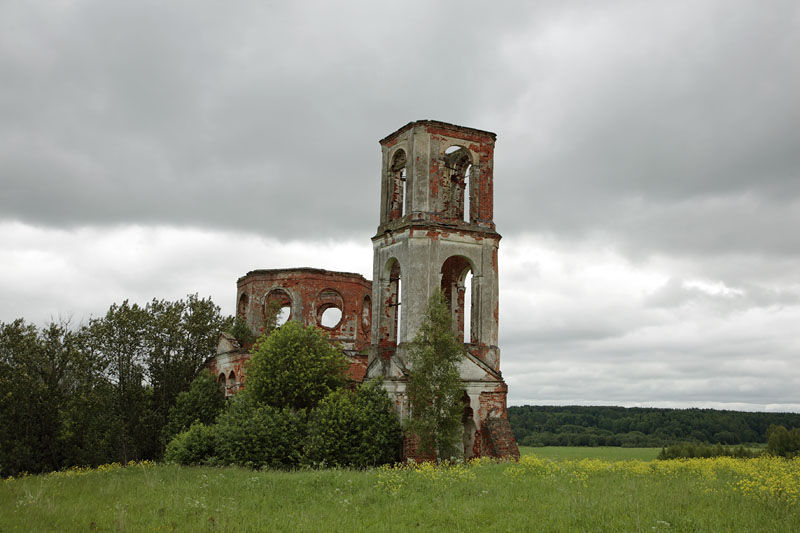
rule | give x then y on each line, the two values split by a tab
295	367
434	383
356	428
196	445
256	435
295	411
245	434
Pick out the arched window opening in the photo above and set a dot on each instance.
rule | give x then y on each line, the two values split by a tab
458	162
391	324
284	315
467	194
366	315
468	307
468	422
404	189
222	382
331	317
244	302
232	382
398	180
456	274
277	307
398	328
329	305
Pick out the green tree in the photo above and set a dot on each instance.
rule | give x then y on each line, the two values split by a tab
241	331
180	336
194	446
29	415
783	442
47	382
119	340
257	435
85	434
201	403
354	428
294	367
434	384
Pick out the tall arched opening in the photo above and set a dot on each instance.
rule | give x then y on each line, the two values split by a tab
398	181
391	319
458	162
456	275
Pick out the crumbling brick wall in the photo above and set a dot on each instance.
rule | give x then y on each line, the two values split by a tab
307	293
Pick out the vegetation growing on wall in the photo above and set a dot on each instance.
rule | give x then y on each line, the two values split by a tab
434	383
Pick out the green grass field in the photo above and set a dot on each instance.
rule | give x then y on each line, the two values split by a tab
535	494
606	453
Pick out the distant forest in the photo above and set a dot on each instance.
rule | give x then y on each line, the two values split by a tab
540	425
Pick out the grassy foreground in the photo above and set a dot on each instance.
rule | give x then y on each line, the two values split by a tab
576	453
535	494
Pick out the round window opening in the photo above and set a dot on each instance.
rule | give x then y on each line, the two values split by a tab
331	317
329	305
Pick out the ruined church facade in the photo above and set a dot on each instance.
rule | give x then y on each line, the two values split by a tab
436	232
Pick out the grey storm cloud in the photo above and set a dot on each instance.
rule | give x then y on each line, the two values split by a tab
622	117
254	116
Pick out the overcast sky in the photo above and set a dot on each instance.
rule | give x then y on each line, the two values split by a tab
647	170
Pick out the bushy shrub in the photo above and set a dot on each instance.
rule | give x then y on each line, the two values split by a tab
253	435
295	374
201	403
782	442
354	428
195	446
294	367
688	450
241	331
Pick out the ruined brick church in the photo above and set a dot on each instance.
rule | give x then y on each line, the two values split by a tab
436	231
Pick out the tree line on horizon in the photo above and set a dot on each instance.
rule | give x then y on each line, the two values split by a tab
545	425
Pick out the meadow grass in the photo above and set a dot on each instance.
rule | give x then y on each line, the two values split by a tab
535	494
606	453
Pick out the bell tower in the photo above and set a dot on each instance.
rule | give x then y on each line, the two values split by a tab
436	231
